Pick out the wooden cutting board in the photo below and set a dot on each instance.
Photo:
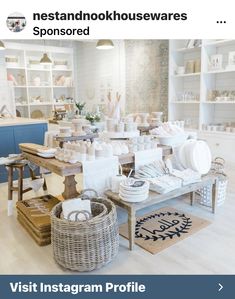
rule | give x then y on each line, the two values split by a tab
32	148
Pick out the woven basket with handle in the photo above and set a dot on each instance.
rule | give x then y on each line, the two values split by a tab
205	193
86	245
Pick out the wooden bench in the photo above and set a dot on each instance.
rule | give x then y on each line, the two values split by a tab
155	198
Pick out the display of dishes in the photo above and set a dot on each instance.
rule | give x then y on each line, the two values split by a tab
196	155
134	190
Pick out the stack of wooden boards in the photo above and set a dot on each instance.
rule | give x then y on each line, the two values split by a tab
34	216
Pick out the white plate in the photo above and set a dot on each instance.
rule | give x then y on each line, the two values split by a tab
130	194
46	155
134	198
127	185
184	153
200	157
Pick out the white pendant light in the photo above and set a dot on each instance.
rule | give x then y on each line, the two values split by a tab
104	44
2	46
45	59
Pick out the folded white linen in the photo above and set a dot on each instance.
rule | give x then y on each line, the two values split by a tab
147	156
164	184
188	176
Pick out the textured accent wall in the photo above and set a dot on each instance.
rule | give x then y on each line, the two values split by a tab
146	75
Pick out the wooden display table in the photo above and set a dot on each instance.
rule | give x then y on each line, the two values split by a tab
155	198
69	171
63	169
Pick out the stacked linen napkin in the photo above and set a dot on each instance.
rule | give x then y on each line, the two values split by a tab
76	204
164	184
188	176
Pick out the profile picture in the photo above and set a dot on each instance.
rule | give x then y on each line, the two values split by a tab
16	22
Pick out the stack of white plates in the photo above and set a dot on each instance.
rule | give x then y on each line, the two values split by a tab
196	155
132	190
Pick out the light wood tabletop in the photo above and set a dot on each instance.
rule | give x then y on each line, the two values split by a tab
155	198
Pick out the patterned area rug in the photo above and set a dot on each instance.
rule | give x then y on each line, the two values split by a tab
162	228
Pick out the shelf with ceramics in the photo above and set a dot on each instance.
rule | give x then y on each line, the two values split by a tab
36	84
210	95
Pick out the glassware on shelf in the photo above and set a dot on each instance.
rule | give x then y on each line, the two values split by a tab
219	127
187	96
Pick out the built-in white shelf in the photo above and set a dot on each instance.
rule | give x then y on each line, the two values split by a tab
220	43
231	134
185	102
188	50
62	70
21	105
63	103
221	71
15	67
56	86
218	102
32	86
41	104
187	75
27	52
202	112
38	69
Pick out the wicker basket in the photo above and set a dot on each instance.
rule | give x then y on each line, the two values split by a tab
205	194
86	245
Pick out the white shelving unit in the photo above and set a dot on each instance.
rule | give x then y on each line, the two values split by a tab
35	89
197	110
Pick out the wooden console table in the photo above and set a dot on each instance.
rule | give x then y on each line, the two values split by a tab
155	198
69	171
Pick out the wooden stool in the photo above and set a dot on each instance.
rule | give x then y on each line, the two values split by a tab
20	169
19	188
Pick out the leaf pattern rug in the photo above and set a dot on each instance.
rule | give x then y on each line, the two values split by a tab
162	228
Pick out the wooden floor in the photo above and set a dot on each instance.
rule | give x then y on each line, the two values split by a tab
210	251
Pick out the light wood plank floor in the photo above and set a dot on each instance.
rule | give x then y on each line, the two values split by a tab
210	251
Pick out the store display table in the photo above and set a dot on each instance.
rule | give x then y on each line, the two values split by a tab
69	171
155	198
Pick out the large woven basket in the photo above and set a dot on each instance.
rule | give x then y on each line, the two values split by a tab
85	245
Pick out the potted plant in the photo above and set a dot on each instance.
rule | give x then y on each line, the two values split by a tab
80	106
92	117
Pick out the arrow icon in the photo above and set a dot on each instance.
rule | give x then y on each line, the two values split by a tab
220	287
